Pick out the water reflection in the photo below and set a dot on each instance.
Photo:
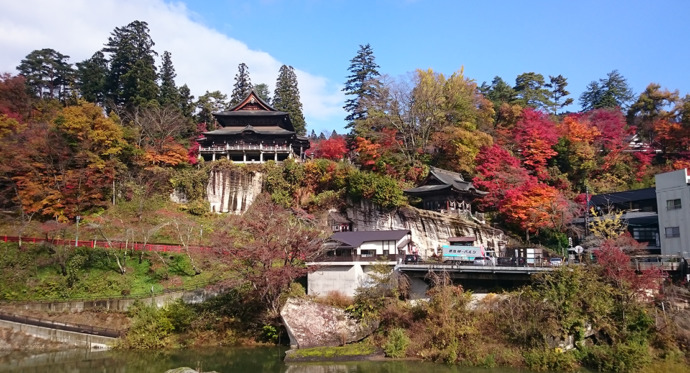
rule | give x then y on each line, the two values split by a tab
222	360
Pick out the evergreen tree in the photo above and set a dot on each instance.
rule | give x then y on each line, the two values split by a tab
207	104
557	85
498	92
243	85
286	98
186	101
610	92
531	91
362	83
169	95
263	92
312	135
47	73
132	75
91	75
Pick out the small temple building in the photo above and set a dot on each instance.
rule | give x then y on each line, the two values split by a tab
253	131
445	191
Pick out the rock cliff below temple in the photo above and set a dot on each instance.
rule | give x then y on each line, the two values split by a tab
429	229
233	190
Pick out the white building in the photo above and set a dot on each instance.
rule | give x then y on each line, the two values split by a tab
673	202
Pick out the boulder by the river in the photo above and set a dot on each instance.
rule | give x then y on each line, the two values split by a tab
310	324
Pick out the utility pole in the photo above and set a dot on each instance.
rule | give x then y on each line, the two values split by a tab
586	210
76	240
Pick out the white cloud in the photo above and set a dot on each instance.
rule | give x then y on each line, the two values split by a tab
204	59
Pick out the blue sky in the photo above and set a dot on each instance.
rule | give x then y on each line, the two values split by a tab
646	41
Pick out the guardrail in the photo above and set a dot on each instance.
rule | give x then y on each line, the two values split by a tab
79	328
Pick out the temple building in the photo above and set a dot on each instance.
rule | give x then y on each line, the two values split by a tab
253	131
446	191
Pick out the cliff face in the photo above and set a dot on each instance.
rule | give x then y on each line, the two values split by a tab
429	229
233	190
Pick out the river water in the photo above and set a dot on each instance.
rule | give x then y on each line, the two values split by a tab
222	360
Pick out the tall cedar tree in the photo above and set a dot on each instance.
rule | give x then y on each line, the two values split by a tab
558	92
286	98
91	78
610	92
362	83
243	84
132	76
47	74
186	101
169	95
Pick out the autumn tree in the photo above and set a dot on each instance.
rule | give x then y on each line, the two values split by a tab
654	104
14	101
497	172
268	263
243	84
535	135
159	128
286	98
576	153
333	148
535	206
47	74
363	84
610	92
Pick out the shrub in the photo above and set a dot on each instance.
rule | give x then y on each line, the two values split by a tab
396	345
550	359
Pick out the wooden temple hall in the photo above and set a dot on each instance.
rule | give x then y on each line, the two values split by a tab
252	131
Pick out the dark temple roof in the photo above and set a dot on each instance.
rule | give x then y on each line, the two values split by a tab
440	179
356	239
623	197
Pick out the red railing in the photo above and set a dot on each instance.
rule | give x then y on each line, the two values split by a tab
120	245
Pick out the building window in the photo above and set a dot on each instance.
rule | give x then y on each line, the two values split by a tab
368	253
672	232
673	204
644	234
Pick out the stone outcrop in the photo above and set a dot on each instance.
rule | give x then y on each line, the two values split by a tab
429	229
233	190
311	324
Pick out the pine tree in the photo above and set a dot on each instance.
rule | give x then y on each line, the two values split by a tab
286	98
610	92
91	76
531	91
47	73
132	75
243	85
362	83
169	95
557	85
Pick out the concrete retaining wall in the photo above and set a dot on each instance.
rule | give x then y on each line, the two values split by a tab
118	305
62	336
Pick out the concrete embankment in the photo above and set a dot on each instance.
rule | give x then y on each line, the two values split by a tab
62	336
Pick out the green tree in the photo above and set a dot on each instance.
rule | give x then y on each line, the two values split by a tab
186	101
362	83
286	98
169	94
209	103
132	75
531	91
91	77
47	74
243	85
610	92
499	92
558	92
261	89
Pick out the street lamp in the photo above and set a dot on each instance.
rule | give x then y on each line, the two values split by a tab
76	240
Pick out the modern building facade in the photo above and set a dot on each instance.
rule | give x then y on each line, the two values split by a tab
673	201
